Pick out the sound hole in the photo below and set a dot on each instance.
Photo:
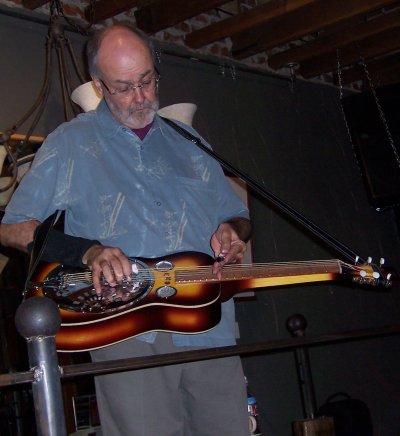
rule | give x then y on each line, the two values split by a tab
73	290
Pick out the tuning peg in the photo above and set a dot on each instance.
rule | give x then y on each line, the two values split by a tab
381	261
369	260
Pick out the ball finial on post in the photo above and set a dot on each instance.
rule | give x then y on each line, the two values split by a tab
37	316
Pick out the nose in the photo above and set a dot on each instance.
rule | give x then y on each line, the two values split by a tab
138	94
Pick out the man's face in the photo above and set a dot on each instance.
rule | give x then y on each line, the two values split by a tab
128	80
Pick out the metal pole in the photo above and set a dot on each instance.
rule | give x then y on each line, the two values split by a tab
297	324
38	320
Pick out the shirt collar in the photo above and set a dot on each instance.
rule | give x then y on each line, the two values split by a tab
108	123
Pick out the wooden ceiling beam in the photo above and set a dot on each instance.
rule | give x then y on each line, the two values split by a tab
162	14
242	22
375	68
33	4
297	24
325	44
374	46
109	8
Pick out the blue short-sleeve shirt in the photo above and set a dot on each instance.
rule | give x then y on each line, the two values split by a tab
150	198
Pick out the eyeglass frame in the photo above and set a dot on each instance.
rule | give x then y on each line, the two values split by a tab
131	88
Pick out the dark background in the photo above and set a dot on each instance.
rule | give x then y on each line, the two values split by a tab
292	139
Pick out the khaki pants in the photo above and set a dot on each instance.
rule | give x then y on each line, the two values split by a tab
205	398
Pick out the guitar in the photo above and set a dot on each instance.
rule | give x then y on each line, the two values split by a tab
178	293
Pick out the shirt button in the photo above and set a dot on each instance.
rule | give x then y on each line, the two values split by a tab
157	203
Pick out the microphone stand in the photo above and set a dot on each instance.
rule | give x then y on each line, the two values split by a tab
284	207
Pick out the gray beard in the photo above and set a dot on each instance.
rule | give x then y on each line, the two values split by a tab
138	116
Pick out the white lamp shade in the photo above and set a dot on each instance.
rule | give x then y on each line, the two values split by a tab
183	112
86	96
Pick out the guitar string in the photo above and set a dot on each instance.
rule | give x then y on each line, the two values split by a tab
197	271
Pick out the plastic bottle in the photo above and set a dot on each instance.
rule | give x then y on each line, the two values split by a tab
254	424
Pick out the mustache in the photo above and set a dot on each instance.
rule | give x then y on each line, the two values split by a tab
144	105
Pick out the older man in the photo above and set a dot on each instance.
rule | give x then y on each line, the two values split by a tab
131	185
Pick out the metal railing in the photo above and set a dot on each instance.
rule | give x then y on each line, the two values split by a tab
38	321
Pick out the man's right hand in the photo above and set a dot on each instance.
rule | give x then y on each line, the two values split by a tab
109	261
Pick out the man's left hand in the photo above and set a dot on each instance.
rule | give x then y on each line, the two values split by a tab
227	247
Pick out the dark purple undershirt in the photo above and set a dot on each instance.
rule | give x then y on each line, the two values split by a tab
143	131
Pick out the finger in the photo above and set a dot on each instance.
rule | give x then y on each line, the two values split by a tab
96	281
116	269
126	267
238	249
217	269
119	263
234	255
226	243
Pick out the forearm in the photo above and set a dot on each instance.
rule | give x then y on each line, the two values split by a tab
62	248
18	235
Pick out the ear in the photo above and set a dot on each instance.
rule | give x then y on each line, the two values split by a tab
97	85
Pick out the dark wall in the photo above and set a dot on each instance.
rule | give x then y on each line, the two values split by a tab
292	140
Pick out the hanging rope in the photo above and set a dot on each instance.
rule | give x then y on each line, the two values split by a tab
380	110
57	42
56	5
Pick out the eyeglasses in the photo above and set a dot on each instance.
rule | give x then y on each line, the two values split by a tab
147	85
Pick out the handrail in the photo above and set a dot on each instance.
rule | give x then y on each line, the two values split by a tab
278	345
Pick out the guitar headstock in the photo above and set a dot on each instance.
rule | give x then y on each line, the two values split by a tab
372	274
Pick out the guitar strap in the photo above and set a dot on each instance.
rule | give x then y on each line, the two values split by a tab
37	246
51	244
350	255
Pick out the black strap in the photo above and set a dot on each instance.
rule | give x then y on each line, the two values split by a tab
38	244
284	207
52	245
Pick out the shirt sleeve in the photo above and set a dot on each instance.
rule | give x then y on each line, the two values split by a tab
34	198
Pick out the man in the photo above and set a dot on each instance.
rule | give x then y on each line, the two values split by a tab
131	185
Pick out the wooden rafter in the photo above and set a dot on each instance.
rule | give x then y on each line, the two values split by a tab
242	22
304	34
109	8
33	4
305	21
368	48
382	71
325	44
161	14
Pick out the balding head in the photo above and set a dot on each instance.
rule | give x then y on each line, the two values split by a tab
122	68
116	35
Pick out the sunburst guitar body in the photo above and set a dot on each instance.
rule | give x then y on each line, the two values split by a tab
178	293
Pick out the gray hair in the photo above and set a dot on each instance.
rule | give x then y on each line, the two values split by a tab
94	43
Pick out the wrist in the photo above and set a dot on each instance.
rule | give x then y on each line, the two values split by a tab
88	253
241	226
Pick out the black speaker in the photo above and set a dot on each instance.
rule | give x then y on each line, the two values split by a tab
370	131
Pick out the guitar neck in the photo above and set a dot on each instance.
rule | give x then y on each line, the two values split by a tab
237	278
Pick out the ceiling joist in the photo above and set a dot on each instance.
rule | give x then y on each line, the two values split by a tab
33	4
305	35
367	48
297	24
162	14
258	16
325	44
109	8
